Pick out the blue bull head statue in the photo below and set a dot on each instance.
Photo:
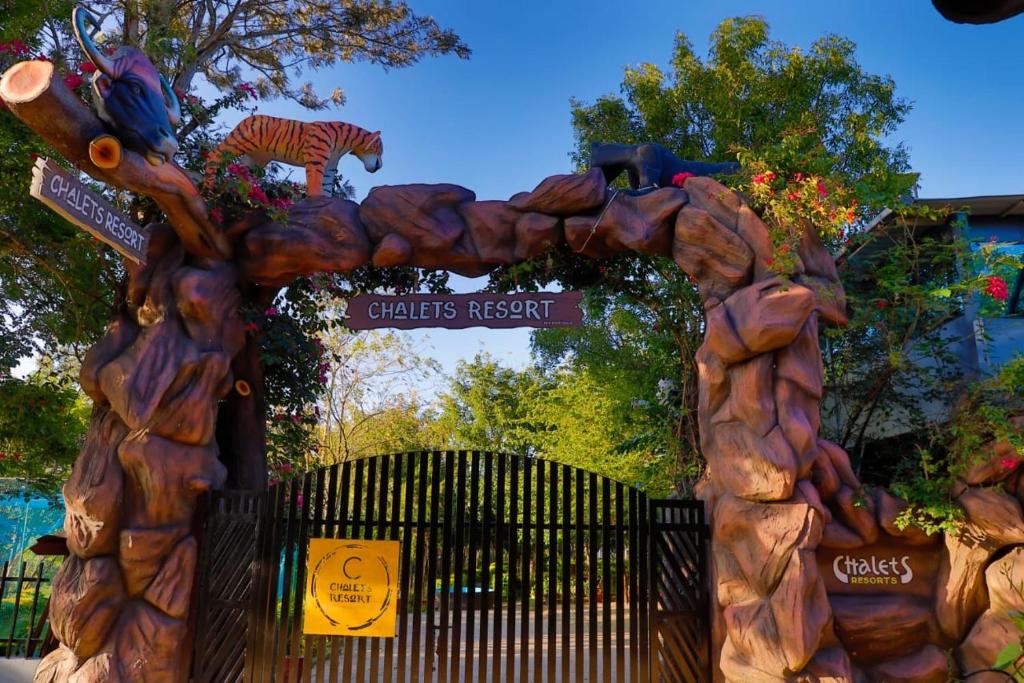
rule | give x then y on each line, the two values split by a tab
131	96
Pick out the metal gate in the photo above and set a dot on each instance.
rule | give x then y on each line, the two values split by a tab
512	570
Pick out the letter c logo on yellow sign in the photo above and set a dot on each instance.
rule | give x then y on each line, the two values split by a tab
351	588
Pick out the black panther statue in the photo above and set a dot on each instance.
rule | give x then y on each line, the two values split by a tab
649	165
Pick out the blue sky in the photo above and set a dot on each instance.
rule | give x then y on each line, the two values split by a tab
499	122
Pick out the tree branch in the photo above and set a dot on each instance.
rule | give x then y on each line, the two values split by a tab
37	95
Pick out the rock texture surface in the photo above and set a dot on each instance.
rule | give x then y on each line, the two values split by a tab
120	601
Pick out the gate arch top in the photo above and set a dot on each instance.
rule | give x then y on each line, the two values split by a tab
706	228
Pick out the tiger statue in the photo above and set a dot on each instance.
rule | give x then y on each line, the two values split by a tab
317	146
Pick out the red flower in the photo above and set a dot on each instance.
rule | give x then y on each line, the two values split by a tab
246	90
73	81
270	312
1008	463
240	171
258	195
680	178
881	304
793	196
217	215
822	190
15	48
850	216
87	67
798	176
252	327
997	288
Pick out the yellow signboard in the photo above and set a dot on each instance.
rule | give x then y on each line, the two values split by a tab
351	588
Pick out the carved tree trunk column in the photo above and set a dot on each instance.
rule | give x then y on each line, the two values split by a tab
119	604
121	600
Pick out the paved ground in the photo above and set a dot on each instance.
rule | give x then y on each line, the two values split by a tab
328	667
17	670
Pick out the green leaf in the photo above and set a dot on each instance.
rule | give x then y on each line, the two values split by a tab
943	292
1008	655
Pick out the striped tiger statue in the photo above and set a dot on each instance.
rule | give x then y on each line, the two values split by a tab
317	146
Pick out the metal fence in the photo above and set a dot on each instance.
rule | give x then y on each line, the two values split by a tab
512	570
24	608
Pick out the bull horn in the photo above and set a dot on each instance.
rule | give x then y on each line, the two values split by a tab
79	17
173	104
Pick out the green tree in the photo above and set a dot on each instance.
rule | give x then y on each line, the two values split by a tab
371	404
58	287
815	112
486	406
562	414
42	422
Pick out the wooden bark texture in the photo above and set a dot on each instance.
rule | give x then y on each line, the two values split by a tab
776	490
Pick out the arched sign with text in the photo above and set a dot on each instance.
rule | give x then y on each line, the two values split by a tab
351	588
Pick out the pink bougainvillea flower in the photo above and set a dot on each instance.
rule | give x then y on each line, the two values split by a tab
270	312
793	196
280	202
997	288
252	327
15	48
87	67
822	190
240	171
73	81
680	178
1008	463
798	176
246	89
258	195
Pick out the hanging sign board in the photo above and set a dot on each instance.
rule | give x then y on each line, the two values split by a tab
351	588
459	311
883	567
66	195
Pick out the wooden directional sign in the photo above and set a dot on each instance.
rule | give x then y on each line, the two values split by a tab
459	311
66	195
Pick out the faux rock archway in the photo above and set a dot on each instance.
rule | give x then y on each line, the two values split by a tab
777	491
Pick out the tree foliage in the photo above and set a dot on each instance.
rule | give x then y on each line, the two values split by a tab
780	110
58	286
